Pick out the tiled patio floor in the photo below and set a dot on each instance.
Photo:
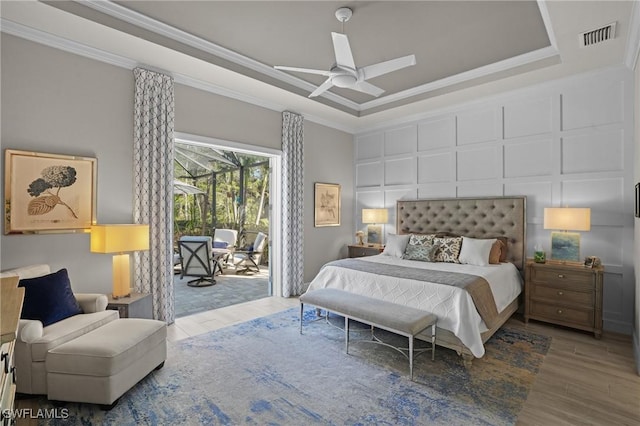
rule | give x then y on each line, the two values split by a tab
230	289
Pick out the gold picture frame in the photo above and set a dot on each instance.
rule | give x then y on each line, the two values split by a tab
326	210
48	193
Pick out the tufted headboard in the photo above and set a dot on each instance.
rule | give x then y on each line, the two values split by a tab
488	217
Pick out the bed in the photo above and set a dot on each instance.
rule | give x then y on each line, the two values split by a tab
461	326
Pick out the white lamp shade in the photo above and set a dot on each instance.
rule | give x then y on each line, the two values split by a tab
119	238
567	219
375	216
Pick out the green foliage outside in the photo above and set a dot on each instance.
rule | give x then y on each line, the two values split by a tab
194	213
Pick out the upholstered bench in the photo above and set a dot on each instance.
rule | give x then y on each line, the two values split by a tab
100	366
399	319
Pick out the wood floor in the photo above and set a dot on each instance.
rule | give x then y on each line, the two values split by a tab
583	381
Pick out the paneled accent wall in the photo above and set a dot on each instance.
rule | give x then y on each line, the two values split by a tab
563	143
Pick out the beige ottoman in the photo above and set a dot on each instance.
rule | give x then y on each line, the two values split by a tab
100	366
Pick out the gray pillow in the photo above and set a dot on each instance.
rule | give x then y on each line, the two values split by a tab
395	245
425	252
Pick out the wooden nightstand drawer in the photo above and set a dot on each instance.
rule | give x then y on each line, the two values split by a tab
562	296
563	278
562	315
362	251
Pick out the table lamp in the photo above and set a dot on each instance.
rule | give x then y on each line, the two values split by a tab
566	245
373	217
120	239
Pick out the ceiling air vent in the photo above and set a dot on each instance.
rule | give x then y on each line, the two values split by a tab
598	35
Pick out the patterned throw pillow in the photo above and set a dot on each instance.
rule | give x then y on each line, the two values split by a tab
449	249
420	247
422	252
419	239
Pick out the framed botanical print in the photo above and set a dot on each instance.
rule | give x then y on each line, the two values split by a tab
326	204
48	192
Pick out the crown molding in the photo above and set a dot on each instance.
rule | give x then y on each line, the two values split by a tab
47	39
486	70
61	43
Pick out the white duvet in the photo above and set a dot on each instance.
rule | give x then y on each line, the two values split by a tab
452	305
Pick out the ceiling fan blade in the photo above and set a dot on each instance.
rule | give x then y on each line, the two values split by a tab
322	88
387	66
363	86
307	70
342	49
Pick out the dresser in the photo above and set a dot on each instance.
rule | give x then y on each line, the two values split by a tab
564	294
357	250
11	298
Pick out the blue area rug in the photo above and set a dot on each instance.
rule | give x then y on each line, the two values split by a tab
263	372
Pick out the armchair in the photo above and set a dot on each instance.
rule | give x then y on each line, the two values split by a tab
35	340
197	260
249	259
228	238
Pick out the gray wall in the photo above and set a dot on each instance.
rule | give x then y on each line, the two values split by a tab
328	158
57	102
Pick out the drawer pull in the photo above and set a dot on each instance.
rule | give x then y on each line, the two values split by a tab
559	311
561	293
560	275
13	374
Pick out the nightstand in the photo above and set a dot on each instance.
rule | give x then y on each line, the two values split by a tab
357	250
564	294
138	305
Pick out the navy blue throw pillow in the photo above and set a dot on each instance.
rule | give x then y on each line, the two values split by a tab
49	298
220	244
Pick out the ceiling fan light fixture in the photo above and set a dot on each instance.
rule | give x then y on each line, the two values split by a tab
344	80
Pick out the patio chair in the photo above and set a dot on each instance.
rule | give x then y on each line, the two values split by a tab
224	244
197	260
249	259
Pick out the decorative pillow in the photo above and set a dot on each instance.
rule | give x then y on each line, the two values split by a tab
419	239
49	298
449	249
496	252
505	248
220	244
396	245
423	252
475	251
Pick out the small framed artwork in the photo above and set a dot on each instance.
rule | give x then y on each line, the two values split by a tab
565	246
637	199
326	204
46	193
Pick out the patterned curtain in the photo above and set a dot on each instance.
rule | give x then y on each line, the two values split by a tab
153	193
292	204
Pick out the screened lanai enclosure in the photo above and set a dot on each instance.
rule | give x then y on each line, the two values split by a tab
216	188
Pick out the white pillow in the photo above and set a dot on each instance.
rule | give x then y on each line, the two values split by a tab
475	251
396	245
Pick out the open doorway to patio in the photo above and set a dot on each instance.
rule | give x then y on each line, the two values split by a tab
224	191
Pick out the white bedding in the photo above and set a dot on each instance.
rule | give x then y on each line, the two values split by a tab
452	305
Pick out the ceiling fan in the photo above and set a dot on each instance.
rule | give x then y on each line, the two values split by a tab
344	73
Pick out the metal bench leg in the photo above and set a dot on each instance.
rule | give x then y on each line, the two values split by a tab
411	357
346	334
433	342
301	310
